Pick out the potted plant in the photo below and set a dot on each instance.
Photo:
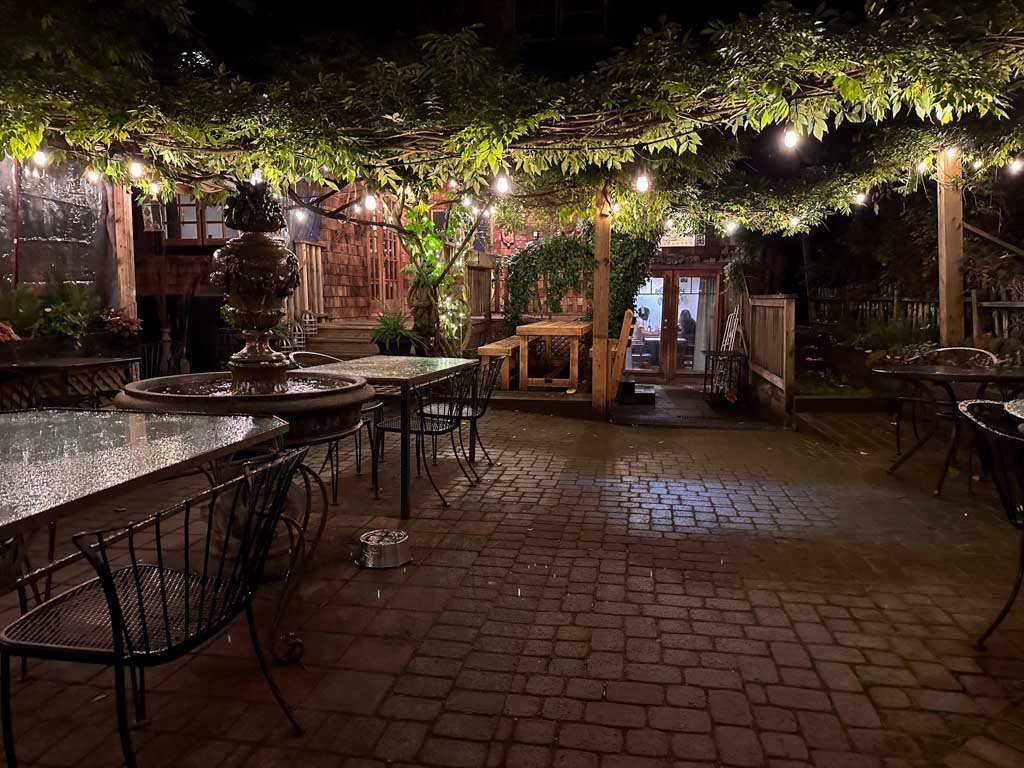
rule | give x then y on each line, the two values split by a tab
392	334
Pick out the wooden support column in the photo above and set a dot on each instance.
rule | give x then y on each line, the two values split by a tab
951	249
122	242
602	269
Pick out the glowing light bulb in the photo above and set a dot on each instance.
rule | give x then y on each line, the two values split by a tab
976	164
642	183
536	235
922	167
256	176
1016	165
860	198
490	211
136	170
370	202
501	185
466	201
92	175
952	152
790	138
453	183
669	224
357	208
731	227
300	214
40	158
794	221
616	207
475	211
155	187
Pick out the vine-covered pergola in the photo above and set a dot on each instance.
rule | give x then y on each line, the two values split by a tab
137	96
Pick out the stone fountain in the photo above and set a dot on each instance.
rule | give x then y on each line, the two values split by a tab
257	273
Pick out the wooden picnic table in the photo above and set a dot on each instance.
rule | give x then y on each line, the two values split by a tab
575	330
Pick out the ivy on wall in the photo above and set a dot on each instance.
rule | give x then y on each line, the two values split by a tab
557	263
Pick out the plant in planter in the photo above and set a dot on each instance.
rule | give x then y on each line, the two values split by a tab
116	322
391	333
19	308
71	308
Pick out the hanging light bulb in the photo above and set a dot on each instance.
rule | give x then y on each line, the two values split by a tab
1016	164
453	183
370	202
475	211
952	152
616	206
860	198
467	201
92	175
256	176
922	166
155	187
794	221
642	183
40	157
731	226
790	138
976	164
300	214
536	235
136	170
501	185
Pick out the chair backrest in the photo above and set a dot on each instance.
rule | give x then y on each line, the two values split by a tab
1001	447
441	403
173	580
303	359
486	379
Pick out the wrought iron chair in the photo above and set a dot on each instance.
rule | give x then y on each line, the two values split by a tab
1001	447
371	414
439	413
479	397
163	587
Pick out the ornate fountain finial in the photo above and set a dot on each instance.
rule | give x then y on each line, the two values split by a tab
257	273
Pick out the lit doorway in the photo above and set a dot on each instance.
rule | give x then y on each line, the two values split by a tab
677	324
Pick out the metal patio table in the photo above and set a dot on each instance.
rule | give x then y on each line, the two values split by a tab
407	374
945	377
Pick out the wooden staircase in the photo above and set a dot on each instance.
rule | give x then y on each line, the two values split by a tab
345	339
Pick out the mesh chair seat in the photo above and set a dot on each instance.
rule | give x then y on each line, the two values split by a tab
427	425
79	620
468	411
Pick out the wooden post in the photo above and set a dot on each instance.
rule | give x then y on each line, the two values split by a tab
951	249
602	258
123	244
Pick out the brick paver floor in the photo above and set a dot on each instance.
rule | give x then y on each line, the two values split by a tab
608	596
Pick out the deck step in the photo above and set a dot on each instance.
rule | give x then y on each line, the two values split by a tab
346	349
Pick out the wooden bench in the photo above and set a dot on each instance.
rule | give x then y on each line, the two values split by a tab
507	348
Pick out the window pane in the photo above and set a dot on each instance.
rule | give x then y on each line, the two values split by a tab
645	351
189	232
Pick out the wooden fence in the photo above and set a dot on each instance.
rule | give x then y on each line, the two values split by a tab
309	296
770	323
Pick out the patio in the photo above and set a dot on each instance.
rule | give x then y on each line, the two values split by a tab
607	596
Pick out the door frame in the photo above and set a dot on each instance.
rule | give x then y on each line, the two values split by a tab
666	371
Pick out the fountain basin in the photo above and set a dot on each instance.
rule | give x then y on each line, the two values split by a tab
315	405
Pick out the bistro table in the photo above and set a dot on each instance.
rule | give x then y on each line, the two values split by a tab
407	374
574	330
945	377
65	367
52	461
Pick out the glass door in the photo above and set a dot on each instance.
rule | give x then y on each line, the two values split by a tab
695	320
645	352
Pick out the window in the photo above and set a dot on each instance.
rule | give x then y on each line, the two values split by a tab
188	222
383	265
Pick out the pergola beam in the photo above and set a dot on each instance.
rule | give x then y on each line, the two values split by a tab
602	271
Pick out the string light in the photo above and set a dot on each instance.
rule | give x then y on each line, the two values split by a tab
467	201
357	208
922	166
790	138
40	157
536	235
489	211
256	176
136	170
669	224
300	214
453	183
976	164
794	221
642	183
952	152
616	207
92	175
370	202
731	227
860	198
475	211
501	185
1016	164
155	187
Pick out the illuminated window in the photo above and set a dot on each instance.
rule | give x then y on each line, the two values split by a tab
188	222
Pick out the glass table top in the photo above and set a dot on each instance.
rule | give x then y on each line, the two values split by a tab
394	369
50	459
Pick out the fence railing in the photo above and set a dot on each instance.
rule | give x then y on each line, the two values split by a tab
309	296
770	323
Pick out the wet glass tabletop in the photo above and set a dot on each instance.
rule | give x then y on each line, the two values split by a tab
51	460
395	369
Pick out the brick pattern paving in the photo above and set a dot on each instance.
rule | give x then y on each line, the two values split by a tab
610	596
